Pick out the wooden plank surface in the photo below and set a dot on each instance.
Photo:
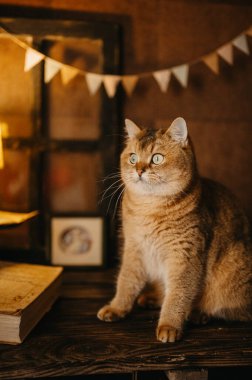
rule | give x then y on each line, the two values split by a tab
70	340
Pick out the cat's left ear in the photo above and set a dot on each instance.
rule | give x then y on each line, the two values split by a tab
131	128
178	131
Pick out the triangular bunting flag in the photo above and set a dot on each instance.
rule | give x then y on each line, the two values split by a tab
68	73
226	52
110	83
52	67
162	77
129	83
241	43
181	73
93	82
211	60
32	58
249	32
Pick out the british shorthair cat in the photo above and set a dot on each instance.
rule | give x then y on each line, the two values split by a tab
187	243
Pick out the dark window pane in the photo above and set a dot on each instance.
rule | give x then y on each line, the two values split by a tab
72	112
16	237
14	180
73	181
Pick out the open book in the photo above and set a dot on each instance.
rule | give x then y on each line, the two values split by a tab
27	292
8	218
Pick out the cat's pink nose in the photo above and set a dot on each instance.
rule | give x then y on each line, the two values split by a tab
140	172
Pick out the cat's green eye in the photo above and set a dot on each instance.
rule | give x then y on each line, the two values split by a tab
133	158
157	159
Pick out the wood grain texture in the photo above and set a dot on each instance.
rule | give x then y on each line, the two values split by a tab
187	375
70	340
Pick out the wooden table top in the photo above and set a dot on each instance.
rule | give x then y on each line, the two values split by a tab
70	340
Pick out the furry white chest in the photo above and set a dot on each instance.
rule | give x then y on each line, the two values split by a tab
151	260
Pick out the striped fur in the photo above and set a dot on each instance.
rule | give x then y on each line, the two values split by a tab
184	236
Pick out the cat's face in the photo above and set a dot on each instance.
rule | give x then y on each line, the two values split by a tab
157	162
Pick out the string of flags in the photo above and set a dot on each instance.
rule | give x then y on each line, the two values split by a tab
110	82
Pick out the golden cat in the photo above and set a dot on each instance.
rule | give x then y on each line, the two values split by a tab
183	234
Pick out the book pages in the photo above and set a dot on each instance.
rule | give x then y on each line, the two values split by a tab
21	284
9	218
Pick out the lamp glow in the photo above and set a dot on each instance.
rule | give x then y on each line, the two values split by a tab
3	134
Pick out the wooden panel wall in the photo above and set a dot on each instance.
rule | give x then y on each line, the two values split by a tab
163	33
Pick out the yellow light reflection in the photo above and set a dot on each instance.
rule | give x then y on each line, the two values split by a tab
3	134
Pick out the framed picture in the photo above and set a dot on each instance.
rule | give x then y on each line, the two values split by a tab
77	240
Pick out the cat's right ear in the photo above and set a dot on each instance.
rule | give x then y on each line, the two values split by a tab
131	128
178	131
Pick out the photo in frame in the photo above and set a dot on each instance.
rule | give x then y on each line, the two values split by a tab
77	240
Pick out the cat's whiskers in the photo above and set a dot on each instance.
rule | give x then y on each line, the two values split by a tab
172	182
118	198
111	176
113	194
156	177
112	186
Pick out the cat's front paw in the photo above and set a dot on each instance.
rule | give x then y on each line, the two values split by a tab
110	314
166	333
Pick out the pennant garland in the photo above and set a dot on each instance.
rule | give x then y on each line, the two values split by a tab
226	53
68	73
241	43
129	82
163	78
93	82
211	60
52	67
32	58
181	73
110	83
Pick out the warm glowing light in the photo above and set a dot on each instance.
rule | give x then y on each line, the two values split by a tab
3	134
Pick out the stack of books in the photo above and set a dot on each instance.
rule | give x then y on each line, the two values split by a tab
27	292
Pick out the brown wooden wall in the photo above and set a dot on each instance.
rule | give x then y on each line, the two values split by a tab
162	33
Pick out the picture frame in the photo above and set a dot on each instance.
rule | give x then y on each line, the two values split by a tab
77	240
